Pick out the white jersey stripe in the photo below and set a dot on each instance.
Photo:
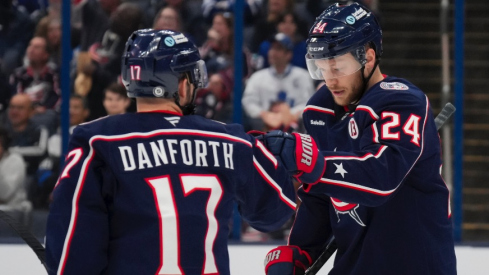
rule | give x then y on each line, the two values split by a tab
318	109
363	158
267	153
74	211
173	132
274	185
369	110
357	187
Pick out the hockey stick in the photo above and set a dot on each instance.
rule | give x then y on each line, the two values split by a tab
27	236
329	250
331	246
444	115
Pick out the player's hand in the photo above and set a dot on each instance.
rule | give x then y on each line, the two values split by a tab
287	260
298	153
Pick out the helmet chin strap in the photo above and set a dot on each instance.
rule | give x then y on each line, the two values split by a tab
189	108
365	81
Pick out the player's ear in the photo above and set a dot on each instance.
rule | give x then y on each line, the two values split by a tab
182	86
370	56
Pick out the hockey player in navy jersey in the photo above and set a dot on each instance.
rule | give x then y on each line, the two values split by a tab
152	192
381	195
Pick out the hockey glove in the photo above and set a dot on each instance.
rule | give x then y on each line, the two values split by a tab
298	153
287	260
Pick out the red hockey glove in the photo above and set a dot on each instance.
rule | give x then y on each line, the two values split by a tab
287	260
298	153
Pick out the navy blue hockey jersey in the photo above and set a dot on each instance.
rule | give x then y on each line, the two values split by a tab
153	193
382	195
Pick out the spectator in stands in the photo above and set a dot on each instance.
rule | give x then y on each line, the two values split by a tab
48	171
13	197
16	28
210	100
116	101
252	9
167	19
266	27
39	80
95	16
275	97
4	96
28	139
50	28
103	68
193	23
288	25
218	50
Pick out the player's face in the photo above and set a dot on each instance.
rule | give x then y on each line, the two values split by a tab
342	77
346	89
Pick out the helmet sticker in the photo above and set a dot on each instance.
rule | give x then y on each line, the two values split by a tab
169	41
319	28
393	86
359	13
180	38
350	20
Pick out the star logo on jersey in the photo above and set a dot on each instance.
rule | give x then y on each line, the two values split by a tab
173	120
340	170
341	207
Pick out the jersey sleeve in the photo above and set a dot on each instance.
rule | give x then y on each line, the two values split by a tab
392	140
266	198
77	229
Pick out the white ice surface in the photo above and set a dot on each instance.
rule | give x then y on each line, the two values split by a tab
16	259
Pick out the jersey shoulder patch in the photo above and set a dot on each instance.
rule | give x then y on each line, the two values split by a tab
394	86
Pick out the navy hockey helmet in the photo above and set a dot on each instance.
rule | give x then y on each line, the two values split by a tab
343	29
155	60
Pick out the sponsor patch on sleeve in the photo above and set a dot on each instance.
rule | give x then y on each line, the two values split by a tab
393	86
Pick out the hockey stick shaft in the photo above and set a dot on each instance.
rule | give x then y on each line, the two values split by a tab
331	247
444	115
323	258
27	236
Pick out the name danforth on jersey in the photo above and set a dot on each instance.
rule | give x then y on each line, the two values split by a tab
146	193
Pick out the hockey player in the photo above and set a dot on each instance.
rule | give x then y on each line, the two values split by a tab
152	192
381	194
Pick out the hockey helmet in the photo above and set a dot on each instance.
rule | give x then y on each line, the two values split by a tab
340	30
155	60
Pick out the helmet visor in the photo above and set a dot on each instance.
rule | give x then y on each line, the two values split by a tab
334	67
200	74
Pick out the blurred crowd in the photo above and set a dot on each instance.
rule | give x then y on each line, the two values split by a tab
276	83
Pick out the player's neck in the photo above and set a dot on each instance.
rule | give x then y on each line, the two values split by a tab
156	104
376	78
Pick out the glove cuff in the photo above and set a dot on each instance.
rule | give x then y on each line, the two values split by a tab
309	160
288	259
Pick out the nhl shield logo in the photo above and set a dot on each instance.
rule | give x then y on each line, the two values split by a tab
353	128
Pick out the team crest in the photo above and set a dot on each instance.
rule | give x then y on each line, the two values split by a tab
347	208
353	128
394	86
